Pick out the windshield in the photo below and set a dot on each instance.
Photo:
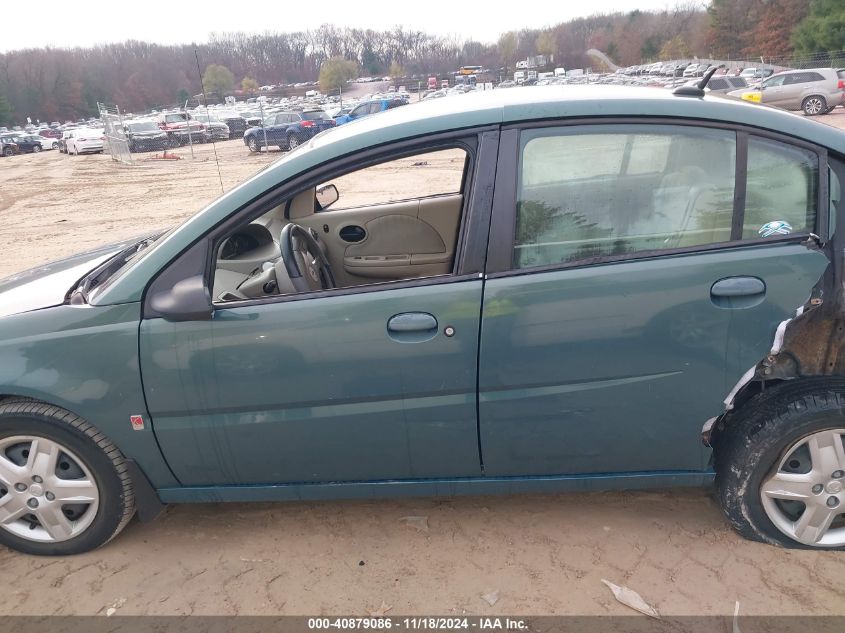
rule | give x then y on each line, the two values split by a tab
143	126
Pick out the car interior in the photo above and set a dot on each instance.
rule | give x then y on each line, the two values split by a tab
344	233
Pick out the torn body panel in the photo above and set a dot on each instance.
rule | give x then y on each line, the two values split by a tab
812	343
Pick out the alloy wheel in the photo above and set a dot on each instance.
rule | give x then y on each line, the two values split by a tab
47	494
293	142
814	106
805	496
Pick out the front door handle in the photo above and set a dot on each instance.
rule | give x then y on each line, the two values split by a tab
412	327
738	292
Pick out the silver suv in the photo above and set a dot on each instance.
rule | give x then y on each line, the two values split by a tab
814	90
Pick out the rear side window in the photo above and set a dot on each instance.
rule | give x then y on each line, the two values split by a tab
621	189
781	188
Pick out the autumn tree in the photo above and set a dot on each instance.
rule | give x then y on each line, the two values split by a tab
771	35
248	84
218	78
335	72
545	43
396	71
5	110
731	22
676	48
507	48
823	30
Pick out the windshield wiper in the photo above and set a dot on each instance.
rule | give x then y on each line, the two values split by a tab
79	294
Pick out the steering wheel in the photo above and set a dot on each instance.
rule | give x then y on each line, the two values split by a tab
305	262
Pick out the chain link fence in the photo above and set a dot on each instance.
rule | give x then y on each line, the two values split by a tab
116	141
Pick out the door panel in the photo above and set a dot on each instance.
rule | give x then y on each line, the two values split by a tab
615	368
415	238
332	388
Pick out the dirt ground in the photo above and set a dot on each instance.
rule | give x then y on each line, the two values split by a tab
542	554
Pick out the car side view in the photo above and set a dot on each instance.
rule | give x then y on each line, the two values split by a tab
813	91
287	130
499	293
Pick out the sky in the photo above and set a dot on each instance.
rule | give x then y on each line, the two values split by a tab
174	22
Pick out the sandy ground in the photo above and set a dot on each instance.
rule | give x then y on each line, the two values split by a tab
542	554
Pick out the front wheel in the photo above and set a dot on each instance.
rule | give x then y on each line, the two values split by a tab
64	487
7	151
36	149
252	144
813	106
780	468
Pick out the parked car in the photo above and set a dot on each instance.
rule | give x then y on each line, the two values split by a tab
373	106
8	147
45	142
287	130
580	300
145	136
66	134
814	91
85	141
217	130
236	123
182	129
50	133
48	142
27	143
724	84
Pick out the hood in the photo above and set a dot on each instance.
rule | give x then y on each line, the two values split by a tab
148	134
48	285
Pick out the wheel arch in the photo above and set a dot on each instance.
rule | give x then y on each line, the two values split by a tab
147	501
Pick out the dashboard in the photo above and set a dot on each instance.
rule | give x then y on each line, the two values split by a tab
247	249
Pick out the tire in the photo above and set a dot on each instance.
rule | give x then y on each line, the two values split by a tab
55	146
36	149
7	151
173	142
252	144
86	455
293	141
814	105
769	456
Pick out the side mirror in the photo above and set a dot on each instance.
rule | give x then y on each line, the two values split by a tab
327	195
187	300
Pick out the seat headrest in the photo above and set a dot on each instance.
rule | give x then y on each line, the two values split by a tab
301	205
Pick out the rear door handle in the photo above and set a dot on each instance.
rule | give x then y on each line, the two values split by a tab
738	292
412	327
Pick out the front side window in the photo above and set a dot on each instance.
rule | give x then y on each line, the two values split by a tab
590	192
420	176
343	233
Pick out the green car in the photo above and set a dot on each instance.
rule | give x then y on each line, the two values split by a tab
553	288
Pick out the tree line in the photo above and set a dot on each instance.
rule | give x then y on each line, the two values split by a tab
59	84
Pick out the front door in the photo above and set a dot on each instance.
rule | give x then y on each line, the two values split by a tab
326	389
372	380
627	301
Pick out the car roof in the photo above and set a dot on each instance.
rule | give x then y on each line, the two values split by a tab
472	110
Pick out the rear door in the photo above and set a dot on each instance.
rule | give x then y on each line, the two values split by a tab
634	275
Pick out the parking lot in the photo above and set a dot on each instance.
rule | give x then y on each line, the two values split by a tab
537	554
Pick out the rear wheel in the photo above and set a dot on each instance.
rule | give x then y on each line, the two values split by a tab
293	141
64	487
814	105
7	151
55	146
780	468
